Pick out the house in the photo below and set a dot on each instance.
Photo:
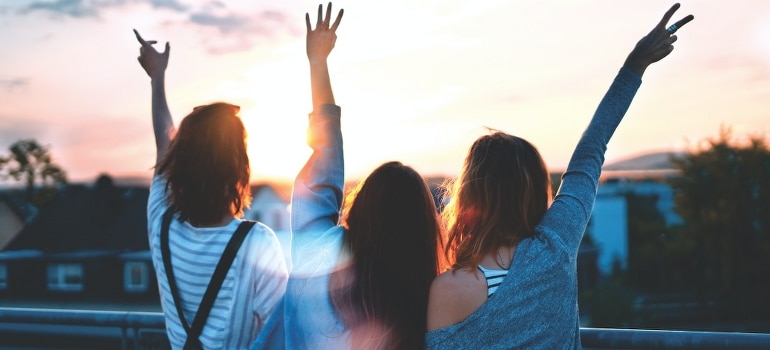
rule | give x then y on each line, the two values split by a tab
89	243
608	228
270	205
644	175
11	222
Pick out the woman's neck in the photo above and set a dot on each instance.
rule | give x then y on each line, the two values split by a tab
499	258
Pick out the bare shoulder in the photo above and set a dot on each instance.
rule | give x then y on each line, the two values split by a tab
455	295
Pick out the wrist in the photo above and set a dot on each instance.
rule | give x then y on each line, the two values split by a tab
635	67
158	78
317	60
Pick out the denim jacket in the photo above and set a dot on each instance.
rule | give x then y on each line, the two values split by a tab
305	318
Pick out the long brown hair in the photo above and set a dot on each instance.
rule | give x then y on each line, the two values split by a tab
501	193
393	236
206	165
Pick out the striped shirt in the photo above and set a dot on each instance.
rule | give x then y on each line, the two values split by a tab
494	278
252	287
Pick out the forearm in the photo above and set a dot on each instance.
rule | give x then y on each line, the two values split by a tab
589	153
580	182
162	124
317	195
320	84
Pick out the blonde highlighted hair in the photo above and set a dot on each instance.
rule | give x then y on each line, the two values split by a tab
501	193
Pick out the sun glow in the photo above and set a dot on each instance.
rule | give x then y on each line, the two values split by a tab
276	145
275	103
273	91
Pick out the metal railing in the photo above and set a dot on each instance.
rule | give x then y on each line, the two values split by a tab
137	330
146	330
612	338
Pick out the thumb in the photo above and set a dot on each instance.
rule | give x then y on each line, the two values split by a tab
167	50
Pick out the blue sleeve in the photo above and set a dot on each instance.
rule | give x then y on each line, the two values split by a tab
318	188
571	209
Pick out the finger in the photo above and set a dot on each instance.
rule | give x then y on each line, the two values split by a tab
337	21
663	43
674	27
328	18
667	16
167	50
307	21
318	21
139	38
145	43
684	21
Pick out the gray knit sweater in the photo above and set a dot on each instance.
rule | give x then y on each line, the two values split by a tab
536	305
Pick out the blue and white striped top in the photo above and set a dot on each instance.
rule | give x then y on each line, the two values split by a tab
494	278
251	290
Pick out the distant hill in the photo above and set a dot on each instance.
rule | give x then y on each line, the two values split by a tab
128	180
647	161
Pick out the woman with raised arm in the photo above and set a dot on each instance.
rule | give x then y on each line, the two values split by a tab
198	193
362	283
514	281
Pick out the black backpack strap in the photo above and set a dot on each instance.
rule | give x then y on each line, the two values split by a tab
165	252
219	276
194	331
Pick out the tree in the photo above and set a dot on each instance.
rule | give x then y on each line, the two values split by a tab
724	197
647	232
30	163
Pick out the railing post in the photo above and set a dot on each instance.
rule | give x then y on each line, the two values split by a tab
137	341
123	342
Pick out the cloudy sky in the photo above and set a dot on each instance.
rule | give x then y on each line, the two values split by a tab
418	80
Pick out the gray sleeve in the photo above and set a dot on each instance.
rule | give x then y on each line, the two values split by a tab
568	215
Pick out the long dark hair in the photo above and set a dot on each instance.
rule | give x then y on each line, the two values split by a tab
394	239
206	165
501	193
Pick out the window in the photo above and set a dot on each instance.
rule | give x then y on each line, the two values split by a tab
65	277
3	277
135	276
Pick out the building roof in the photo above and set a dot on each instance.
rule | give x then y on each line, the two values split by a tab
281	188
645	162
89	217
22	209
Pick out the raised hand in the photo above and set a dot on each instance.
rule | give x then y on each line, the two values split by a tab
657	44
153	62
320	41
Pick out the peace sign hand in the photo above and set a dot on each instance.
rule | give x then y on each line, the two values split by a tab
657	44
153	62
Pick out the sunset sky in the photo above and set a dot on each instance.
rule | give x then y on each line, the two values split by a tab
417	80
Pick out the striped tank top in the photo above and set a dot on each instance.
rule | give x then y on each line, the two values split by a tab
494	278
